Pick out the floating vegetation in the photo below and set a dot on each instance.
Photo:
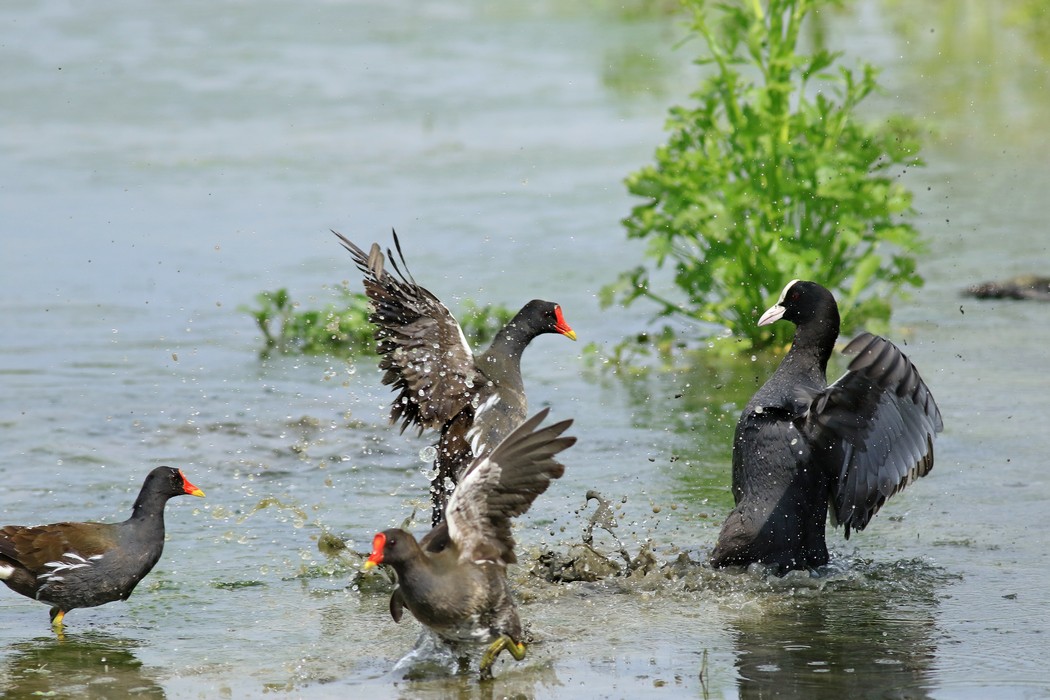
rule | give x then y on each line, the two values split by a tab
342	327
235	585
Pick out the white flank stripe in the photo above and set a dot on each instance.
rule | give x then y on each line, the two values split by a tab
69	561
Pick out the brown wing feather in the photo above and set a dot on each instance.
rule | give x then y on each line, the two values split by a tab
502	485
423	353
34	547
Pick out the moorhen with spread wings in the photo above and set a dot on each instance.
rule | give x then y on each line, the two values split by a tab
473	400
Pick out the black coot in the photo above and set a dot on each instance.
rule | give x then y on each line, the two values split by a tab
802	445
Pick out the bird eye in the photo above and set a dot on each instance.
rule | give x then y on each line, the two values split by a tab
391	542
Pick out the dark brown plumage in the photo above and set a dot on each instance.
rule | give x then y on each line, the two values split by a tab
473	401
80	565
455	580
802	445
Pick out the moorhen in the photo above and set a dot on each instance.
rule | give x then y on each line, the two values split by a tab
473	400
81	565
454	581
801	444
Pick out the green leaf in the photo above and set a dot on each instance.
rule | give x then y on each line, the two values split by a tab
763	179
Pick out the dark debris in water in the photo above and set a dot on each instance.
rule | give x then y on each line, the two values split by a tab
1030	287
235	585
580	563
330	545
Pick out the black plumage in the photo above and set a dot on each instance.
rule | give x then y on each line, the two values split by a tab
803	446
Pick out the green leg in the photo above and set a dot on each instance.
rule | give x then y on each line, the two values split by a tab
516	649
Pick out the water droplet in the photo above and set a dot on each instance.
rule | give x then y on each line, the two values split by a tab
428	454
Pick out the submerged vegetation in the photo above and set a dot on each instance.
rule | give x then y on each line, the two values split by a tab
771	176
341	327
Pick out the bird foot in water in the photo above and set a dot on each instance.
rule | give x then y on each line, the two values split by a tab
516	649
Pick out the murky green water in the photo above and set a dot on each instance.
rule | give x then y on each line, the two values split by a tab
163	164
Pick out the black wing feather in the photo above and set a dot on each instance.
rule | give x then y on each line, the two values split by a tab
877	423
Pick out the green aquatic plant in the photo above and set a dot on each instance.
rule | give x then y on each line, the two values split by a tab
341	327
481	323
769	176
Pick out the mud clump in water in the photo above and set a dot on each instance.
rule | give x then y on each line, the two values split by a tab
580	563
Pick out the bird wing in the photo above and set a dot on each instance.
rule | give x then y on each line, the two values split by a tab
422	349
501	485
877	423
35	548
397	604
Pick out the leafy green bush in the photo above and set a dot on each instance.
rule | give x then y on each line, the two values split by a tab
342	327
339	328
770	177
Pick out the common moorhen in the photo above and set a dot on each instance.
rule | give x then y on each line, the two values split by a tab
81	565
474	401
455	580
801	443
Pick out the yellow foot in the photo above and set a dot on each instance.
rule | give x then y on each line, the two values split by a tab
56	619
516	649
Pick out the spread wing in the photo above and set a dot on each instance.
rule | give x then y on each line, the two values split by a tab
501	485
421	346
878	422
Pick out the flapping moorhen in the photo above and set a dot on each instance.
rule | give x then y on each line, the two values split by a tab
81	565
474	401
455	580
801	443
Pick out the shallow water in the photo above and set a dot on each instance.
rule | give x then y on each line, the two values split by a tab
162	166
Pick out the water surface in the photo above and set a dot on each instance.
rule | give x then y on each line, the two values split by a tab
162	165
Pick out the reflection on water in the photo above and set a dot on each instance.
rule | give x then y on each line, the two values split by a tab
984	70
871	633
534	681
89	665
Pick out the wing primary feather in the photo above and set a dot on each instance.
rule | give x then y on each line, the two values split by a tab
502	485
883	418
